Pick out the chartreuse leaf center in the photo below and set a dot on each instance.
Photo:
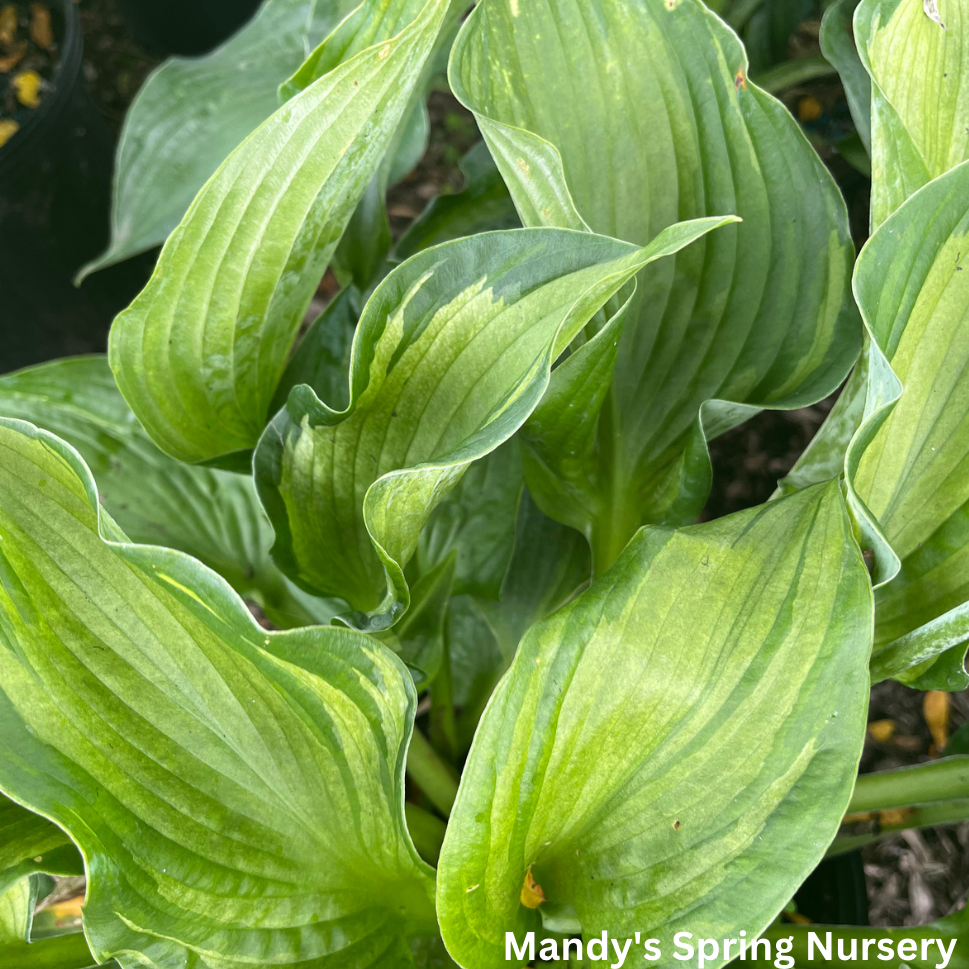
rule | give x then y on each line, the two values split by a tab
199	353
237	794
663	739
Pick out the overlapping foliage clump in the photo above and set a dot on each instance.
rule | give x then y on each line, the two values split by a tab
465	497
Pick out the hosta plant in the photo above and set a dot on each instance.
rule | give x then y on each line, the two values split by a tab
368	643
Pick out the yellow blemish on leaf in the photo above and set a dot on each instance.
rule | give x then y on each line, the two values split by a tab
27	88
532	894
935	709
8	128
384	52
856	818
514	8
881	730
524	166
740	80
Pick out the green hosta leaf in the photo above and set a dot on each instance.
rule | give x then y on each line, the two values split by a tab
477	519
627	118
322	359
919	129
213	515
237	794
370	23
200	352
549	564
418	639
907	466
360	256
192	112
16	952
484	205
30	843
660	742
16	910
919	111
452	353
768	30
838	46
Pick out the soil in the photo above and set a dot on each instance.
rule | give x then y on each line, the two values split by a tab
912	878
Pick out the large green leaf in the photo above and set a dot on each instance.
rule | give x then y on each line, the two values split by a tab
361	255
627	117
30	843
919	108
192	112
919	121
237	794
660	742
451	355
199	353
907	467
213	515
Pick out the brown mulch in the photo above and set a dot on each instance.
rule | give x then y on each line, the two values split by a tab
913	877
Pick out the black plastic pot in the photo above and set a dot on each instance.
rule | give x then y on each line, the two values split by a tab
55	198
187	27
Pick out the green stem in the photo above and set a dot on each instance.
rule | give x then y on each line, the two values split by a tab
432	774
925	816
939	780
790	73
426	831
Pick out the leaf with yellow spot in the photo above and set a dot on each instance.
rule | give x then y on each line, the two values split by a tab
532	894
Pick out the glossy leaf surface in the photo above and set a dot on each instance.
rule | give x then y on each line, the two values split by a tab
919	105
237	794
452	353
907	465
628	117
662	740
198	355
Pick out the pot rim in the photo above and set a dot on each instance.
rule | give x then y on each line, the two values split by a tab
64	79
